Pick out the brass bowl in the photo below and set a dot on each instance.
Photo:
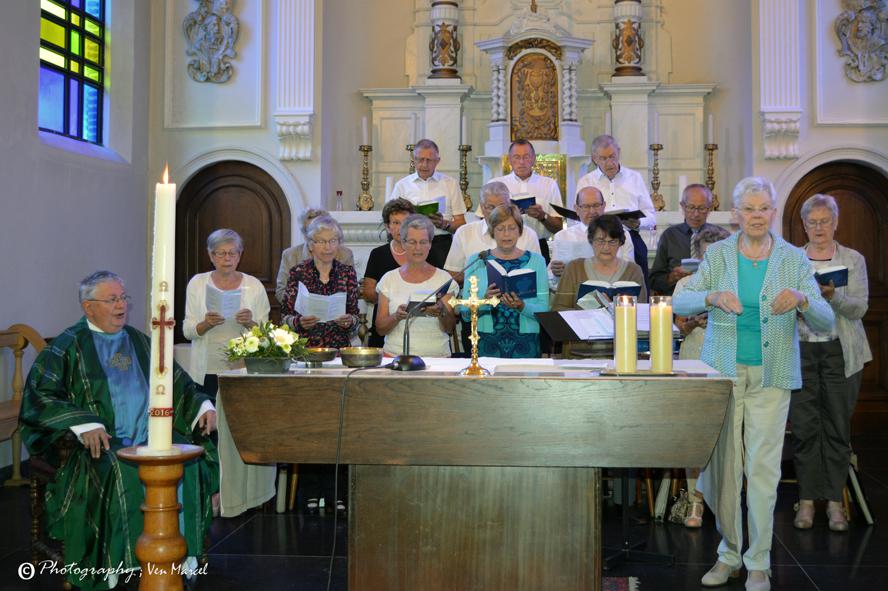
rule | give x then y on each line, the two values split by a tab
316	356
361	356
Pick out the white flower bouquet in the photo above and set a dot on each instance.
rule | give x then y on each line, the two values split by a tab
266	341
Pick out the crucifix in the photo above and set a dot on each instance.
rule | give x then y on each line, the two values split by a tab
473	302
162	324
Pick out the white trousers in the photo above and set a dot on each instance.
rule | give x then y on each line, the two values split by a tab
754	428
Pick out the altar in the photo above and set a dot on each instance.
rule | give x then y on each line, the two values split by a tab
476	483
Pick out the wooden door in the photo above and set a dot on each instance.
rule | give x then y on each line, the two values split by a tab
244	198
862	195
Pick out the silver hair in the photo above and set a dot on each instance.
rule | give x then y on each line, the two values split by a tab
417	221
710	235
820	200
497	188
224	236
699	186
603	141
425	144
89	284
306	215
321	223
502	214
754	185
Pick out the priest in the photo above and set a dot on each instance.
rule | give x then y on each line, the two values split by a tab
92	381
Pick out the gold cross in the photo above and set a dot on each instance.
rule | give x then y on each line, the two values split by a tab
473	302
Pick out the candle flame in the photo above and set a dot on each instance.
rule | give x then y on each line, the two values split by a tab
166	173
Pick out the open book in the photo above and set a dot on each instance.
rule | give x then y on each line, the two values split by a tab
431	206
225	303
417	297
838	274
565	212
523	201
325	307
625	214
521	281
609	289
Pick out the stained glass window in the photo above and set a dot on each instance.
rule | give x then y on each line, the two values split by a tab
72	68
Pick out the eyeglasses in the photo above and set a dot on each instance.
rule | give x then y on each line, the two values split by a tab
611	158
522	157
695	208
114	300
222	254
613	242
426	160
812	224
332	242
592	206
765	210
422	243
506	229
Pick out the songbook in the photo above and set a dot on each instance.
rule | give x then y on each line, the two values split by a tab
565	212
224	303
431	206
417	297
325	307
568	250
625	214
611	290
690	265
838	274
524	201
520	281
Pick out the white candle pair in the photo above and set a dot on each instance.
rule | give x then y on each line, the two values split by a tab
626	335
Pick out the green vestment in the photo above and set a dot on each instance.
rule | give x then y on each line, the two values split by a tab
94	504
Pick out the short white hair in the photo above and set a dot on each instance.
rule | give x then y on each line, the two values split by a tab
820	200
754	185
89	283
321	223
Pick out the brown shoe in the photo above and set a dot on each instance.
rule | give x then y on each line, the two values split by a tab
836	514
804	517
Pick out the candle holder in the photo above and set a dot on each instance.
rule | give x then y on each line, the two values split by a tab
365	199
661	334
710	173
410	148
659	202
625	334
363	328
464	150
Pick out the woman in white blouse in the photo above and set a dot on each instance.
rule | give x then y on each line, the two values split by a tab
431	328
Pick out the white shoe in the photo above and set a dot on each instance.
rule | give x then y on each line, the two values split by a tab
757	580
719	574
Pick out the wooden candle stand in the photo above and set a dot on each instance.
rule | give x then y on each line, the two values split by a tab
161	545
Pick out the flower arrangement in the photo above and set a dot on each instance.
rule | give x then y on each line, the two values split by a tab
266	341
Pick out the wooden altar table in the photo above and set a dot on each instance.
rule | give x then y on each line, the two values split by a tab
475	483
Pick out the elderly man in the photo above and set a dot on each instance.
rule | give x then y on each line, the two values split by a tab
675	243
524	182
573	241
93	381
623	188
473	238
427	184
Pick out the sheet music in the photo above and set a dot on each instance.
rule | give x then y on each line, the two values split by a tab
590	325
325	307
225	303
567	250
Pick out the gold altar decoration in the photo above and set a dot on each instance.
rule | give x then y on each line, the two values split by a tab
534	91
365	199
659	202
464	150
443	47
534	43
627	44
473	302
710	173
410	148
553	166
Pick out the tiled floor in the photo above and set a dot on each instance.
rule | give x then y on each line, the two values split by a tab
291	551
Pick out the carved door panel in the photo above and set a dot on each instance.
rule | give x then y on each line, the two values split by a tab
862	195
244	198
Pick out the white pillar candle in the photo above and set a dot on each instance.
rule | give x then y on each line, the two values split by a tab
661	334
414	132
607	123
625	334
682	183
364	135
464	136
656	129
710	130
388	188
160	382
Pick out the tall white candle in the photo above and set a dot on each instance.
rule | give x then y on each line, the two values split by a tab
414	132
607	123
464	136
661	334
682	183
625	334
160	382
710	130
388	187
656	129
364	135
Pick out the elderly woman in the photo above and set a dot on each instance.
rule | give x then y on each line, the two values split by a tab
205	325
693	328
832	367
385	258
415	279
323	274
509	329
754	285
296	254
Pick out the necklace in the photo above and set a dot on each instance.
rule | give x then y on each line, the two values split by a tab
395	252
762	253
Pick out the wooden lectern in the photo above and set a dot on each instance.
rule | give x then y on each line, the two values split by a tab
476	483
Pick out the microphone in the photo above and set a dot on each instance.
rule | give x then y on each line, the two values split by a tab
405	361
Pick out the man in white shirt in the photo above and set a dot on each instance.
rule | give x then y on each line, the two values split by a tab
473	237
623	188
426	184
573	241
524	182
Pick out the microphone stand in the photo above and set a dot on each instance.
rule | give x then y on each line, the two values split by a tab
405	361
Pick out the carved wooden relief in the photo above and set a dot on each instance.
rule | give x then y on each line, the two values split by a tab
534	90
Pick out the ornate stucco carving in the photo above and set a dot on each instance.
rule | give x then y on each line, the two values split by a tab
211	32
534	98
862	29
780	133
534	43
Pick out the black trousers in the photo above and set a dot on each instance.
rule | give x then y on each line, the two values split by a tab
641	253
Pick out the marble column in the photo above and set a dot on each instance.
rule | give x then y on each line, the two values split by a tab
780	95
628	41
444	44
443	117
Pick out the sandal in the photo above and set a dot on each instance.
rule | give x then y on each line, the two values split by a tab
694	517
836	514
804	517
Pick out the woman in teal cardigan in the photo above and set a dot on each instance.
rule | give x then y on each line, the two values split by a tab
754	285
509	329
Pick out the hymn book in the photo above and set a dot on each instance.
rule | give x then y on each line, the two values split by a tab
565	212
417	297
519	281
224	303
523	201
431	206
611	290
324	307
838	274
625	214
